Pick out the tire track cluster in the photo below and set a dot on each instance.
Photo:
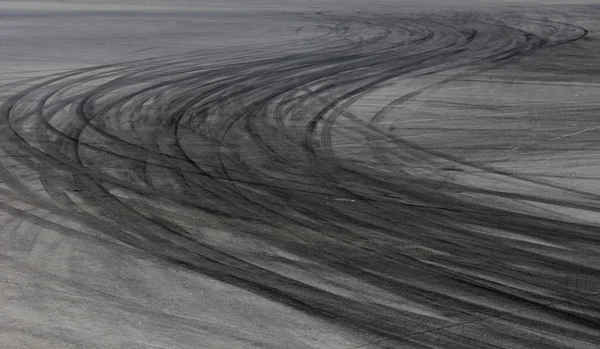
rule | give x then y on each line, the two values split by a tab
142	150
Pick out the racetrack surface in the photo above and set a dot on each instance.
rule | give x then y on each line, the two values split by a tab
367	177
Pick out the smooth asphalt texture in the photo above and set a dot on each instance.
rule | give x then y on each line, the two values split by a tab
312	174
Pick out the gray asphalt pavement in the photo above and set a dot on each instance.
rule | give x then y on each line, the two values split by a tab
312	174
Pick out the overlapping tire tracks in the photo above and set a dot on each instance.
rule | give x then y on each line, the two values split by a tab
248	136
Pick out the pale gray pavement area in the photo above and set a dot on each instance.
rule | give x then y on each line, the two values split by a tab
302	174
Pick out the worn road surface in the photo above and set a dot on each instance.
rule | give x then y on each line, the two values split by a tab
313	174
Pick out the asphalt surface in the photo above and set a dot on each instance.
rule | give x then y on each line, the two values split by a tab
303	175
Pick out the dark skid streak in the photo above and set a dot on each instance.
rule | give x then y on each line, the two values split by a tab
247	136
